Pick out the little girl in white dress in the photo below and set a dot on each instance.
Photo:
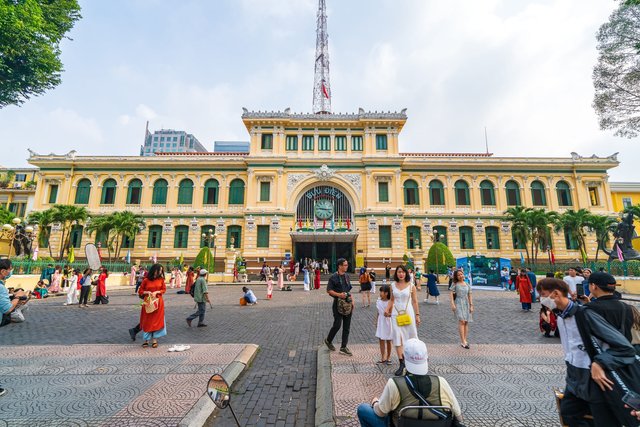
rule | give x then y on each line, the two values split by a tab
384	333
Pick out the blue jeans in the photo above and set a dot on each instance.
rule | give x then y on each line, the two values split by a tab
368	417
202	308
526	306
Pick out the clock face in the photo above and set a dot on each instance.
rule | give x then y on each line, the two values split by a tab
323	209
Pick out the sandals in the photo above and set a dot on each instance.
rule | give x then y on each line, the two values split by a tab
145	345
154	345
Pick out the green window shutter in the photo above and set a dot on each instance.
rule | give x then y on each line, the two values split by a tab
513	193
235	232
384	236
411	196
236	192
134	192
185	192
292	143
383	191
128	242
53	194
83	191
265	191
487	194
436	193
493	238
564	194
340	143
211	190
76	236
466	238
356	143
307	143
263	236
108	192
155	237
267	141
181	236
381	142
413	237
538	194
160	192
324	143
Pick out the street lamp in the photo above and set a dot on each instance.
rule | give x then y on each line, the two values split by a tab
18	232
210	237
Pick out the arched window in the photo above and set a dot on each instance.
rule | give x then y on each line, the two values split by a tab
570	241
205	232
466	237
76	236
564	194
537	194
83	191
134	192
234	232
436	193
513	193
181	236
236	192
211	191
493	238
462	193
155	237
440	232
108	192
413	238
411	196
185	192
518	239
160	192
487	193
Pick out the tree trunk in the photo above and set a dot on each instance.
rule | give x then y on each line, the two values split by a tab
62	239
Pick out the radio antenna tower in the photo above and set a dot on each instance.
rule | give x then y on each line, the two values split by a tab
321	83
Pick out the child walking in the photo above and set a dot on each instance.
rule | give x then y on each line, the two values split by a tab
383	323
269	286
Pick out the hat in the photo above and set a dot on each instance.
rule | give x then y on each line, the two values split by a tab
416	357
603	280
203	272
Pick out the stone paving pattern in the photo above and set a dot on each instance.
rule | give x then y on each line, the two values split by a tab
279	387
106	385
495	384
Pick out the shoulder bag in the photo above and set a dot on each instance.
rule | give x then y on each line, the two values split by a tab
403	318
344	307
151	304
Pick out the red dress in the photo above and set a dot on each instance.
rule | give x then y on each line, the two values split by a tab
151	322
190	280
316	280
524	286
101	289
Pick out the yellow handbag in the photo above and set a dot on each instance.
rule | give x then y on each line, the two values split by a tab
403	318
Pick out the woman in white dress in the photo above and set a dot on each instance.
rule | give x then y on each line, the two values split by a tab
404	299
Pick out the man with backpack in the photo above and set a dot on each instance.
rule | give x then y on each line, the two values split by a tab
201	297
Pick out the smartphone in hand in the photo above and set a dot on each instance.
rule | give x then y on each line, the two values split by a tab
632	399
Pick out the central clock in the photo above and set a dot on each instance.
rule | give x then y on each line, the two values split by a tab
323	209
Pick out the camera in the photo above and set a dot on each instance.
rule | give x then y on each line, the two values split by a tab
347	298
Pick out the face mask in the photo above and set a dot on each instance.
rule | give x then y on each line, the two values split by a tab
548	302
9	274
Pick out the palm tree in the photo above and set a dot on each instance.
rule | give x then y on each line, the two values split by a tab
601	225
634	210
538	222
6	216
102	225
518	217
44	219
126	224
574	222
68	216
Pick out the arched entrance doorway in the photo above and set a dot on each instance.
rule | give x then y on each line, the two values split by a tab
325	227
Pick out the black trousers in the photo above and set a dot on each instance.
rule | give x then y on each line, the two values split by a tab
84	294
340	320
573	409
202	308
101	300
547	330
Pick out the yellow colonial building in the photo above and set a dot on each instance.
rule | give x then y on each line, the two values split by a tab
625	194
324	186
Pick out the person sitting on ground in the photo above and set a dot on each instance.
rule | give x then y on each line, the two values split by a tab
40	290
397	393
249	296
548	322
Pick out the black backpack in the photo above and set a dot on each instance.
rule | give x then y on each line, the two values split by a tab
192	291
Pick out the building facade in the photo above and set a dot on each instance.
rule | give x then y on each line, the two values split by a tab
170	141
624	195
231	146
325	186
17	189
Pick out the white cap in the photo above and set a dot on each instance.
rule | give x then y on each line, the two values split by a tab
203	272
416	358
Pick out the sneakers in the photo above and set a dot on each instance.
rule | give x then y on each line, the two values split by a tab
426	300
202	325
189	322
3	392
132	334
329	345
345	351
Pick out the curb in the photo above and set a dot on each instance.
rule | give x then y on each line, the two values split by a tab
204	407
324	390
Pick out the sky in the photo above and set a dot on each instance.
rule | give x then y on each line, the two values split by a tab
522	69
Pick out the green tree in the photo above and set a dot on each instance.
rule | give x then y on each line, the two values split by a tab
6	216
44	219
519	217
601	225
574	223
634	210
124	224
68	216
616	75
6	178
204	259
439	257
102	225
30	36
538	222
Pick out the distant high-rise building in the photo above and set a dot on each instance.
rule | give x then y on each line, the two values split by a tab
231	146
170	141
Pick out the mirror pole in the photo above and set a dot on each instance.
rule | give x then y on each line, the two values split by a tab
234	415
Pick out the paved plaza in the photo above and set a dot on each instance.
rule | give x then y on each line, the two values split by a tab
504	377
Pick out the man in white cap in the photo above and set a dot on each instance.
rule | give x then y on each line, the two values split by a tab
201	297
414	389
